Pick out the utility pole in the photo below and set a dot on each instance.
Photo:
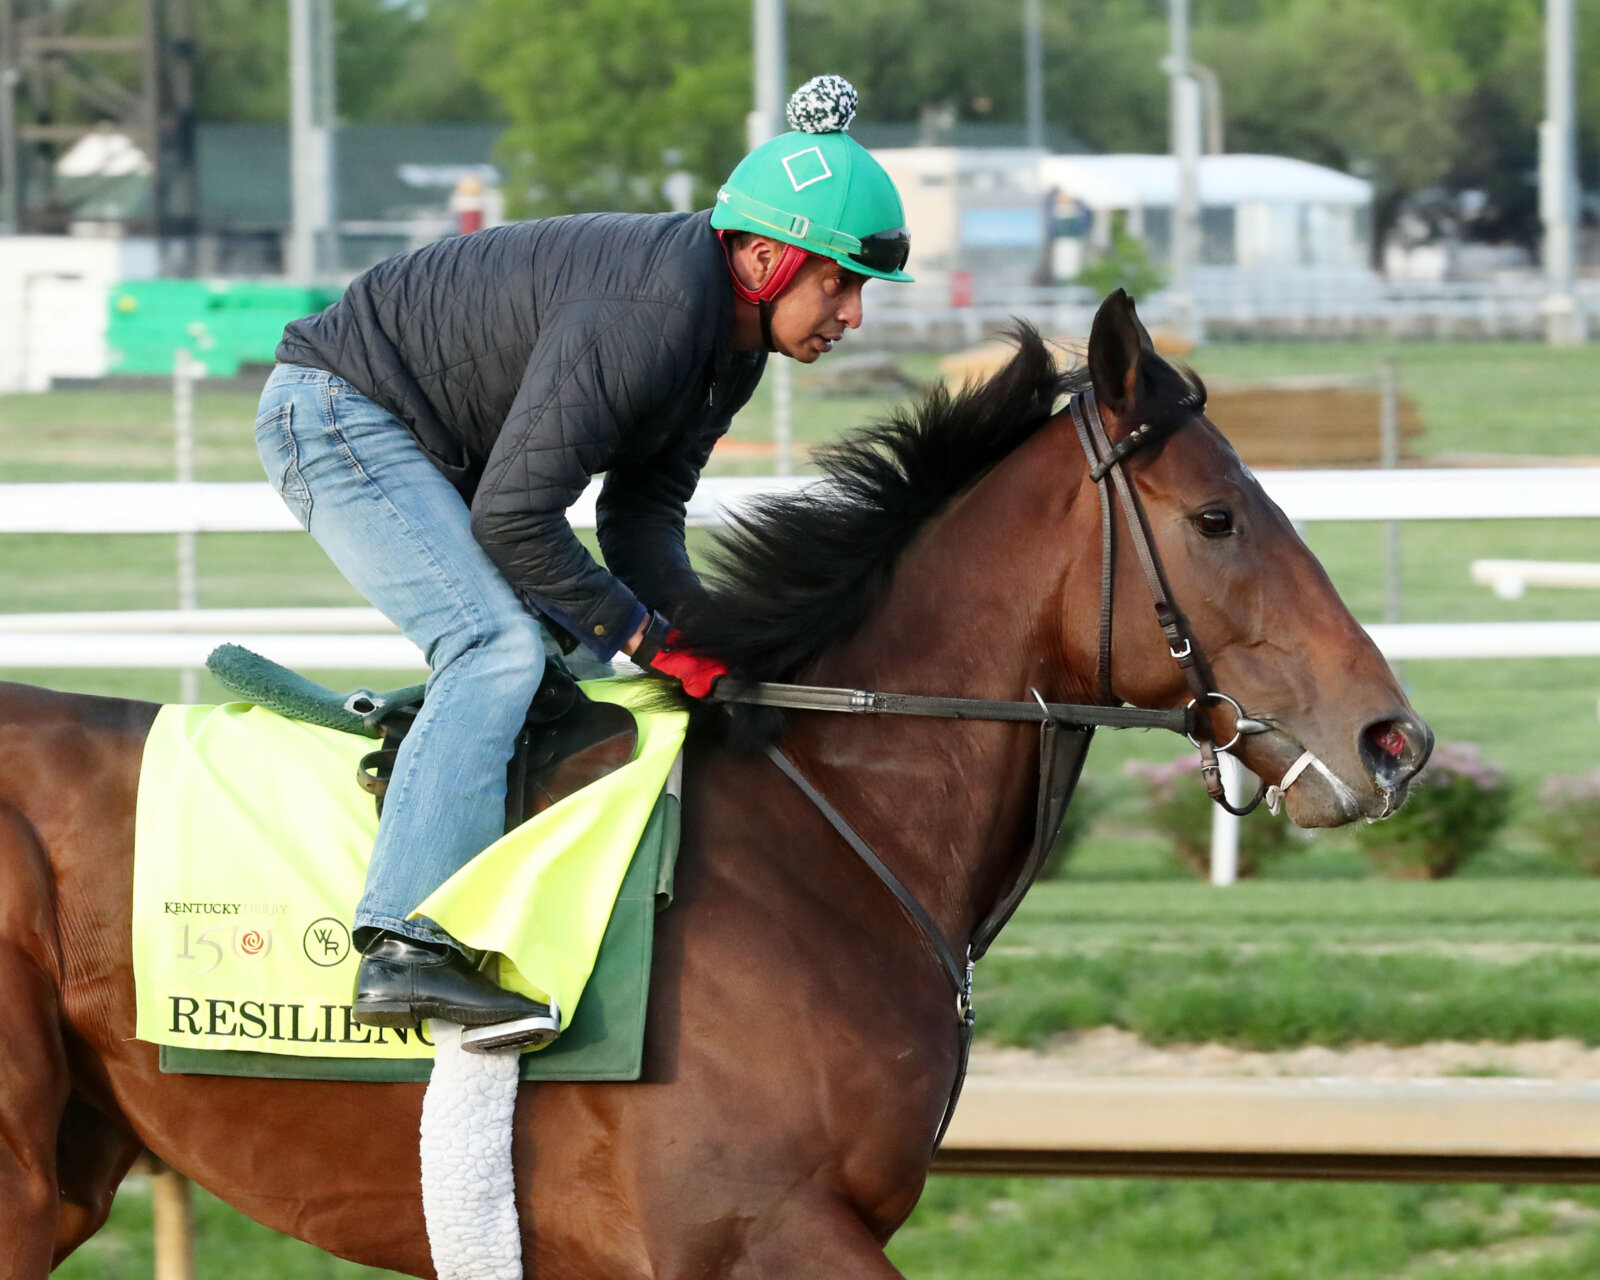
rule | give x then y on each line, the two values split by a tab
1558	187
766	121
312	234
1186	154
1033	70
10	166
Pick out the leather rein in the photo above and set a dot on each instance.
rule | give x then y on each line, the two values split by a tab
1065	729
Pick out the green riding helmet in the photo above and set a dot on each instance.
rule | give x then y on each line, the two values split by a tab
819	189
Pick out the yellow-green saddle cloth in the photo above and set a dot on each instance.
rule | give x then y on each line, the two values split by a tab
250	852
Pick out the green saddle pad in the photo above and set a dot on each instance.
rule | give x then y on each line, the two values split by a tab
251	845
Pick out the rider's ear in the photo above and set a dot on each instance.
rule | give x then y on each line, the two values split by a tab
763	258
1117	341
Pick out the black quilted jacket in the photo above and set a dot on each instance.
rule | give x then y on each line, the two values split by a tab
528	358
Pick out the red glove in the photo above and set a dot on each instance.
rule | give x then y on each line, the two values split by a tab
695	673
656	652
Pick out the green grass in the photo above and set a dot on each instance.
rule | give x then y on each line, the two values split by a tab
1005	1229
1278	965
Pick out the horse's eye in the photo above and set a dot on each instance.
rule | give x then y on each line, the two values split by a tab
1215	522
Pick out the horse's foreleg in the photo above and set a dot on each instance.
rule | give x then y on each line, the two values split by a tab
93	1155
33	1067
826	1241
813	1236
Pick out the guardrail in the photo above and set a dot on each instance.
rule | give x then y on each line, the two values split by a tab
1422	1130
354	639
1240	303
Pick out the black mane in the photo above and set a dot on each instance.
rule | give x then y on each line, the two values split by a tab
798	572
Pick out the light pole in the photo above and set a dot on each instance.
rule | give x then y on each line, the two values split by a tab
1186	154
311	117
1033	71
766	121
1558	191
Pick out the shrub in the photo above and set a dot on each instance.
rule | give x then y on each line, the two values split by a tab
1126	266
1179	810
1569	822
1457	804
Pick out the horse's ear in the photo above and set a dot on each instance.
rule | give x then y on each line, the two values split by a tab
1117	341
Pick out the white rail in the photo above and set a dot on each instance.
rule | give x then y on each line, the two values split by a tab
1491	493
1511	578
361	639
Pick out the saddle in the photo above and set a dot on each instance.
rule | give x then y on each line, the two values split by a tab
566	741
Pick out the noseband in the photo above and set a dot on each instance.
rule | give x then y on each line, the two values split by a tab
1106	470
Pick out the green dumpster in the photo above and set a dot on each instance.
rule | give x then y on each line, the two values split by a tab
224	323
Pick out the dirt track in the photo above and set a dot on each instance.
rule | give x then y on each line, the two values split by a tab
1110	1052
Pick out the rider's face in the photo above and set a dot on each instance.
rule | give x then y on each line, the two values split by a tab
819	304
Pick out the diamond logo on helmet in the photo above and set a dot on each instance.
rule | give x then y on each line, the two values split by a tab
806	167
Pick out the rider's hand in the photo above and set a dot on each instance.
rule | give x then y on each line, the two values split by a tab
633	641
654	647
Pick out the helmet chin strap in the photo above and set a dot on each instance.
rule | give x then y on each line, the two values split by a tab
764	306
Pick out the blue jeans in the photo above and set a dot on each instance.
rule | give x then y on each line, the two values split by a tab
400	532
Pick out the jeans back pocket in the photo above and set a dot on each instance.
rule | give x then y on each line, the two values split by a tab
280	456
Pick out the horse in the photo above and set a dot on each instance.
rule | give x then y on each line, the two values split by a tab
802	1041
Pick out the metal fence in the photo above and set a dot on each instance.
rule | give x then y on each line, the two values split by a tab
1235	304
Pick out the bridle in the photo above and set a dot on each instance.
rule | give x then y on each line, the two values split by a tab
1106	470
1065	729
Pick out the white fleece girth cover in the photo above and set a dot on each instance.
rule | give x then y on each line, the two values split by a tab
469	1198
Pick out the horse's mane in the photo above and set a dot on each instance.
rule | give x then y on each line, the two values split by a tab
797	572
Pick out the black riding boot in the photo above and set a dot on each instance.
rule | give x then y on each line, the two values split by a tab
402	980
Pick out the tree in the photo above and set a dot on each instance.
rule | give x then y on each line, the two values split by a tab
1348	85
394	63
606	97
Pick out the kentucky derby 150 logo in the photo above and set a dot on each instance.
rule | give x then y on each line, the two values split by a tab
211	944
326	942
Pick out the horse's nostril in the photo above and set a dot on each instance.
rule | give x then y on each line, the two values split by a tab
1393	750
1388	739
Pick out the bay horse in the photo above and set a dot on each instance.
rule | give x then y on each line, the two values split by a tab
801	1044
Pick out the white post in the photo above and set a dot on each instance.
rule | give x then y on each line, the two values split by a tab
782	374
311	112
766	121
1389	459
1224	825
1558	192
185	369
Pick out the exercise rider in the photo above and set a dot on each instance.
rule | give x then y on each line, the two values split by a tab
432	428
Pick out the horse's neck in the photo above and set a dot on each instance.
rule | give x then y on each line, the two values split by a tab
975	610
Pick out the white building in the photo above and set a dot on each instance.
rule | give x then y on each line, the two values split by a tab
990	210
978	209
1255	211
